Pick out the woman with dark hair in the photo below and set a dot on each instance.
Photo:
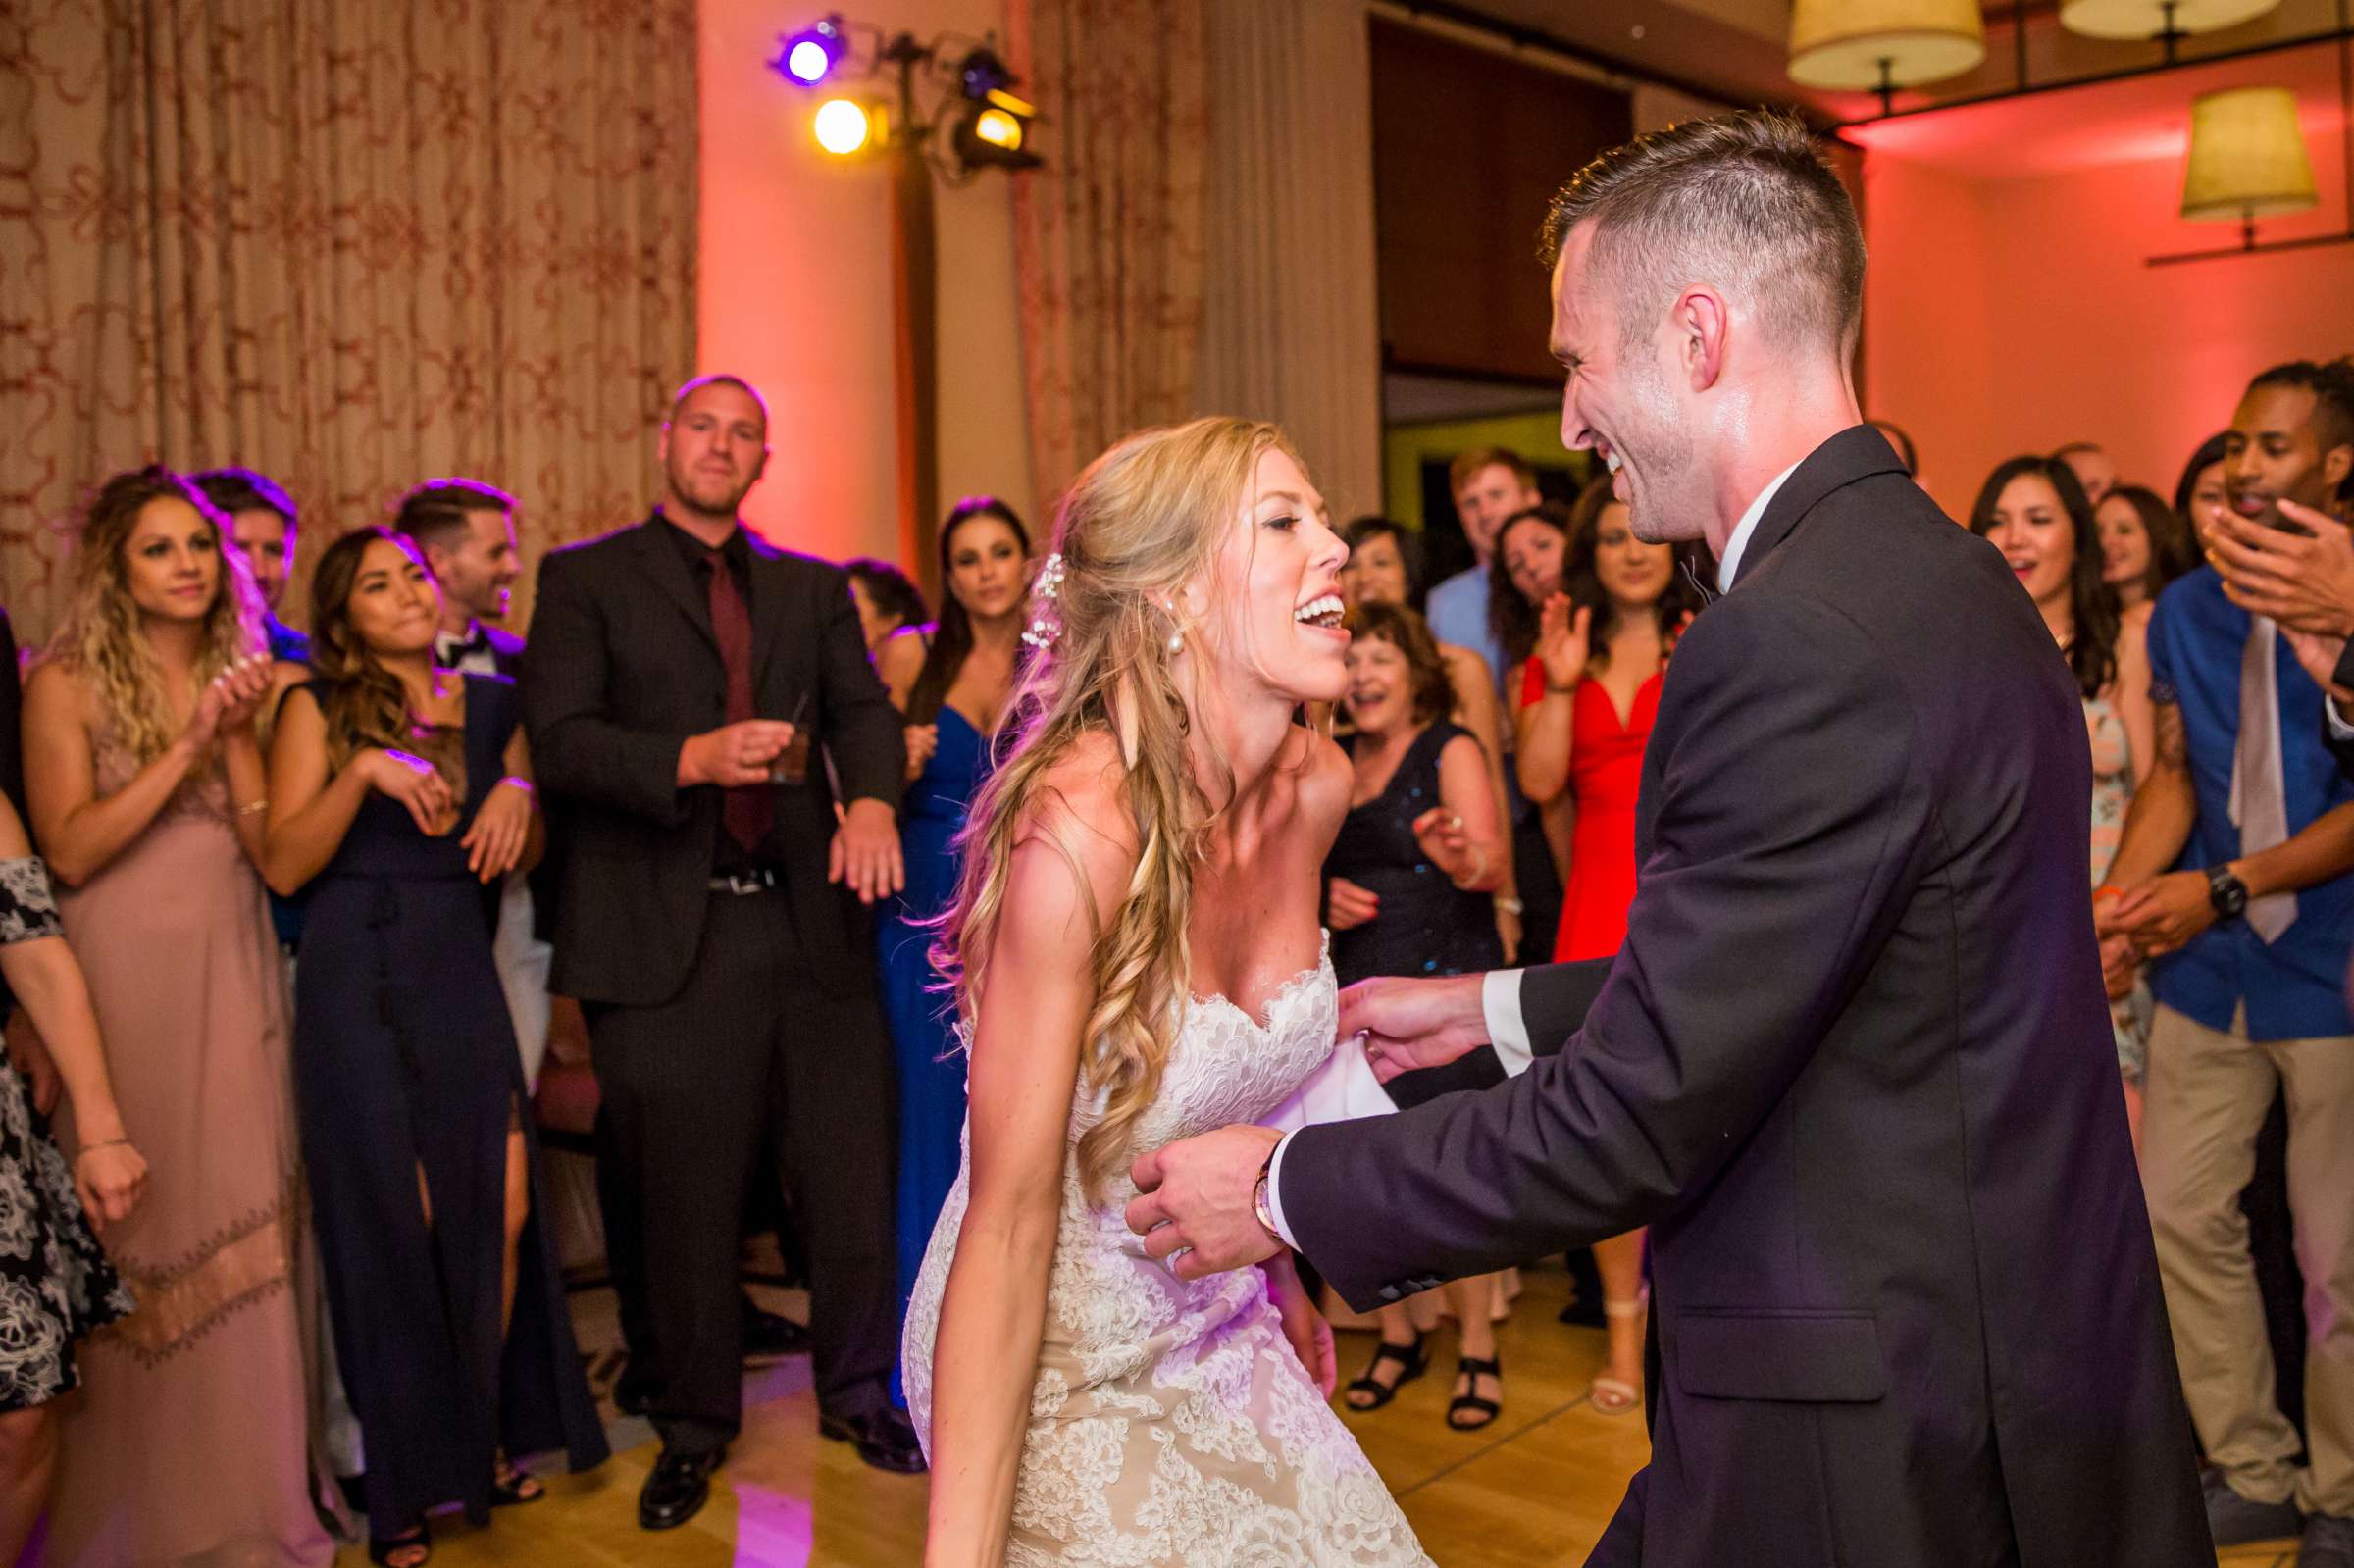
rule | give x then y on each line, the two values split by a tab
1588	694
887	601
950	681
1409	877
2199	495
1385	567
190	1439
2033	511
401	798
2145	544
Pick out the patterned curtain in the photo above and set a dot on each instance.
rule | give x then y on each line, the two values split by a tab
352	243
1107	236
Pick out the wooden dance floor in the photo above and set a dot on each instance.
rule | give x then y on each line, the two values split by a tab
1536	1488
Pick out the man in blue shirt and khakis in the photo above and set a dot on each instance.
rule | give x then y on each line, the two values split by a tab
2250	934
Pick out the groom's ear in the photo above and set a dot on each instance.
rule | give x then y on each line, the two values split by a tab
1700	320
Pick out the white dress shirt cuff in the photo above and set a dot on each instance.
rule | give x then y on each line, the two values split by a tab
1508	1032
2340	728
1275	1193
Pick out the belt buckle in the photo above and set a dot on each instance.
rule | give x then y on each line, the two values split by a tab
742	882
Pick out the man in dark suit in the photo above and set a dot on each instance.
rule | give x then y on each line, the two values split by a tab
709	927
1853	1064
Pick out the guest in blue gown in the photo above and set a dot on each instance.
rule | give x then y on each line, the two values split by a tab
949	681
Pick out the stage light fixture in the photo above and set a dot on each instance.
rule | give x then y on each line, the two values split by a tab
983	74
846	127
809	55
989	135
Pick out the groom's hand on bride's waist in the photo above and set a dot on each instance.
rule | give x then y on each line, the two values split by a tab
1197	1211
1413	1024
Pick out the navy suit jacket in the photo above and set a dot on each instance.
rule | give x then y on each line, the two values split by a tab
1854	1069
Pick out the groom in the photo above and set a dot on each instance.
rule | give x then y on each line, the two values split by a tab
1852	1065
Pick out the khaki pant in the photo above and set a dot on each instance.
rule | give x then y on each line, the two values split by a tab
2208	1093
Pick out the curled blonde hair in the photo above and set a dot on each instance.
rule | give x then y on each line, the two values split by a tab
100	639
1143	521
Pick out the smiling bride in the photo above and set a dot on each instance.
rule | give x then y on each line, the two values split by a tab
1136	957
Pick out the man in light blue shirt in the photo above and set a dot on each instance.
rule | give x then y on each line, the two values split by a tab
1489	486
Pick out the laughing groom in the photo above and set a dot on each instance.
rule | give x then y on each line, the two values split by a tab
1852	1065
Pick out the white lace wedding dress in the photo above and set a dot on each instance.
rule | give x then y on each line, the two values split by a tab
1170	1422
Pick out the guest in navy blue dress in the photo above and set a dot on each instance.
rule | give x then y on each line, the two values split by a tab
1409	889
950	681
400	795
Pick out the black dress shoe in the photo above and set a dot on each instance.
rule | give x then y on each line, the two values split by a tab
677	1488
768	1336
634	1393
885	1440
1584	1314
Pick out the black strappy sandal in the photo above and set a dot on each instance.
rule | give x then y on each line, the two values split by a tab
1408	1356
381	1548
1473	1367
512	1486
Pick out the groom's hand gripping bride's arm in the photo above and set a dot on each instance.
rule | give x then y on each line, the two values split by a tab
1788	831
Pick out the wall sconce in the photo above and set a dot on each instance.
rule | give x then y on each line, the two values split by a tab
2247	161
1881	45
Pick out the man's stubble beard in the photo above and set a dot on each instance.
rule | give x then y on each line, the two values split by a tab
1672	504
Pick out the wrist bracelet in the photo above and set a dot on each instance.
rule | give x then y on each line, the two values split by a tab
519	783
1510	906
92	1149
256	807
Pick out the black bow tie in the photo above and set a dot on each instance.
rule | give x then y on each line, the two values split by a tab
451	649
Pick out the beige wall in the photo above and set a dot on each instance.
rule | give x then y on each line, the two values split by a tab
795	293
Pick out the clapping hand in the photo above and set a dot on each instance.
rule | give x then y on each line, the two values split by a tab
414	783
1440	833
1563	643
2303	581
229	701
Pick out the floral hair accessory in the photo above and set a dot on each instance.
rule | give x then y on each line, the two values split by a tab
1046	625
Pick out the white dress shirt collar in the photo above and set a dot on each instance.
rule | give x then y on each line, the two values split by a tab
1730	566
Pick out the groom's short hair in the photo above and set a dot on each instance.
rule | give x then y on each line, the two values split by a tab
1742	201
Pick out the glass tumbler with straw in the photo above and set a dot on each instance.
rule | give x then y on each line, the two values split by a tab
791	765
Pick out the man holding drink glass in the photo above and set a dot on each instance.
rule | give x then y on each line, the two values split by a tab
713	928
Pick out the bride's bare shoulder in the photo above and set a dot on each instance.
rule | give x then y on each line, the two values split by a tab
1325	775
1079	817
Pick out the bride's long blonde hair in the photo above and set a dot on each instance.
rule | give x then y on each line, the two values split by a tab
1142	521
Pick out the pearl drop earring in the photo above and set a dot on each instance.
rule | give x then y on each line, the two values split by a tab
1176	643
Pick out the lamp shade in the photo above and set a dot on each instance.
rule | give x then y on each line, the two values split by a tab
2247	156
2149	19
1860	44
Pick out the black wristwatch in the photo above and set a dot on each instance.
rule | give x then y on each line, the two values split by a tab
2226	892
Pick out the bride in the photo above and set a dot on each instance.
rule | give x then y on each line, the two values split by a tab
1136	957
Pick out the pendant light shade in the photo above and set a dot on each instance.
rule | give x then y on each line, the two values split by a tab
2247	156
2154	19
1862	45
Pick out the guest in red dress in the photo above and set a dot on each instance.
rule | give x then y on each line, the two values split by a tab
1588	694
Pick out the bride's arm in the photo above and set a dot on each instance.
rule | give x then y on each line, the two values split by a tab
1031	1015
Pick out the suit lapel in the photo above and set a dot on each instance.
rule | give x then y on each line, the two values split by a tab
668	569
769	610
1855	453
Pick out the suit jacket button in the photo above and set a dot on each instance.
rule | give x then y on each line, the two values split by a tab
1390	1294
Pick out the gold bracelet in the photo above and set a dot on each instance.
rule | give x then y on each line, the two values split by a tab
253	809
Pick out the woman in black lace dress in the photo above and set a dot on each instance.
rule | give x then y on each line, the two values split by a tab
56	1285
1409	887
400	795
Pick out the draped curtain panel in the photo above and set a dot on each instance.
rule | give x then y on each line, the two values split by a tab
352	243
1290	310
1107	236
